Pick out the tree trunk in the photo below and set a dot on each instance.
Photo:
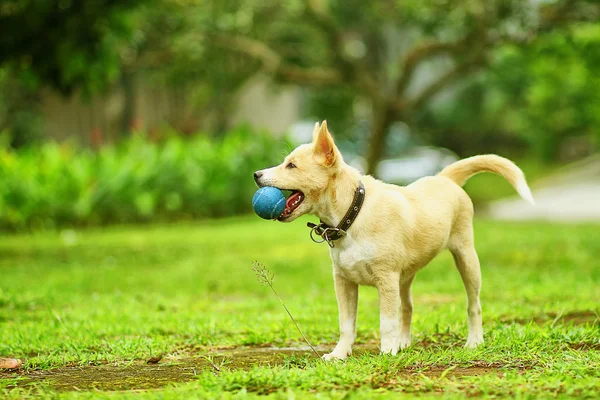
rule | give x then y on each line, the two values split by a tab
383	117
222	119
129	97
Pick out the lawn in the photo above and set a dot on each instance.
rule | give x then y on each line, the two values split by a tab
87	310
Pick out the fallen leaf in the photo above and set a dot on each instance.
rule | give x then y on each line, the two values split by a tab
154	360
10	363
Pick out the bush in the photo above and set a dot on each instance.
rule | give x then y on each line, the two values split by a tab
57	185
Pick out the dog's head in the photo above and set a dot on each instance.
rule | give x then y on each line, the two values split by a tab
307	172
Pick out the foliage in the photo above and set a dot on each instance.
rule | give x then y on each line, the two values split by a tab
19	110
395	57
133	181
170	45
65	44
109	299
535	97
553	88
377	63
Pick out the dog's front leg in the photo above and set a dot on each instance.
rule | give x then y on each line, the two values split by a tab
389	299
347	298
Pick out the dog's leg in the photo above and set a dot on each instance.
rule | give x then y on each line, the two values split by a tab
406	306
347	298
389	297
467	263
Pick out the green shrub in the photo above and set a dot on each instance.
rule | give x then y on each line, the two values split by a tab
57	185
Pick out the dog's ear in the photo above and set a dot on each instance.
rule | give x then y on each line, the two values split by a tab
324	147
315	132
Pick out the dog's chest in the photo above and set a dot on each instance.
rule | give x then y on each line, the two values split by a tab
354	260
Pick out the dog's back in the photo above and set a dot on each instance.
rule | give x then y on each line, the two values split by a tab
436	212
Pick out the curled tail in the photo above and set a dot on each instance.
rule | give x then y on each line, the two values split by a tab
462	170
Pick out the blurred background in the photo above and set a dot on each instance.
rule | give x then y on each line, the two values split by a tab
130	111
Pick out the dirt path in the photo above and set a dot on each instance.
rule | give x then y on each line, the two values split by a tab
571	194
576	202
158	372
143	376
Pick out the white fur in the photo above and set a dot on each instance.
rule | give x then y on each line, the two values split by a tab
390	337
524	191
351	260
344	347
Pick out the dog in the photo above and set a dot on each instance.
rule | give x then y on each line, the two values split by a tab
397	231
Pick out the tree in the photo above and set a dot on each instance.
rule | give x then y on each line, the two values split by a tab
88	45
540	98
397	55
65	44
555	90
171	46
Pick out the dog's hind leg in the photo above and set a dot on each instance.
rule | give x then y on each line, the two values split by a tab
347	297
467	263
406	308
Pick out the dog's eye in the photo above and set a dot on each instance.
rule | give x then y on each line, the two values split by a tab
290	166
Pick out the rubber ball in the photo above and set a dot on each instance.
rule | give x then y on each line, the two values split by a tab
268	202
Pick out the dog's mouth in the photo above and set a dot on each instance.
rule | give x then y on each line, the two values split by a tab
291	204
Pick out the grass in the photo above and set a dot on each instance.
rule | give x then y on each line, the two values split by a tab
102	302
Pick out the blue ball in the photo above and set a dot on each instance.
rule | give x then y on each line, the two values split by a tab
268	202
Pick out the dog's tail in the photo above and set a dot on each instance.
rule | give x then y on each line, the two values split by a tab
462	170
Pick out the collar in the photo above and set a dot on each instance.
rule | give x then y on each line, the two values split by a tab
330	234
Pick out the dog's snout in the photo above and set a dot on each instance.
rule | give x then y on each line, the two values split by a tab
257	175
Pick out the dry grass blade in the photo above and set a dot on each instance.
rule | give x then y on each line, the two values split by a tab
265	277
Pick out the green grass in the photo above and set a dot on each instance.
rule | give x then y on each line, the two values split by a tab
123	294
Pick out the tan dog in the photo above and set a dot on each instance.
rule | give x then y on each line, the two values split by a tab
398	231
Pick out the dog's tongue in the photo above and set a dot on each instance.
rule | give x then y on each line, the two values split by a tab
293	201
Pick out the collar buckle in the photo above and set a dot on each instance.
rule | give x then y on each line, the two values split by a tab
330	234
327	233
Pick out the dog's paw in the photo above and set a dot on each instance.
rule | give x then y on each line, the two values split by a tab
474	341
389	350
341	352
404	342
334	356
389	346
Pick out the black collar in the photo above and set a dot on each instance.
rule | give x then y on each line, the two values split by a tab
331	234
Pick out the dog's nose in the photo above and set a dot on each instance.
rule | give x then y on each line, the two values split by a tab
257	175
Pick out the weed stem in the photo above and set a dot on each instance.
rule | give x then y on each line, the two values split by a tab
265	277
